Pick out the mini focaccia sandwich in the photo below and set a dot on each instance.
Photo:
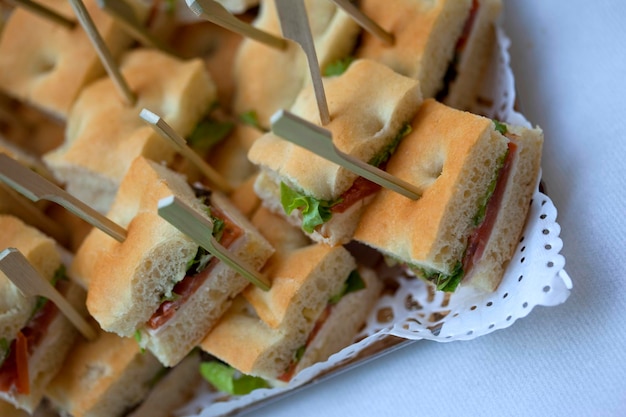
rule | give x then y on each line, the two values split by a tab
318	301
425	33
471	55
34	335
478	178
445	44
113	377
268	79
104	135
367	122
159	285
49	64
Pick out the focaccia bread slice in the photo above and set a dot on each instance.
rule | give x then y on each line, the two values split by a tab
425	34
268	79
46	64
104	135
104	377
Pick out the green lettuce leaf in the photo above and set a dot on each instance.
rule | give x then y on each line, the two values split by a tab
338	67
482	205
500	127
353	283
250	118
388	150
209	133
314	211
229	380
443	282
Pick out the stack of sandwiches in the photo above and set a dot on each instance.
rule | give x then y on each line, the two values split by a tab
35	336
158	296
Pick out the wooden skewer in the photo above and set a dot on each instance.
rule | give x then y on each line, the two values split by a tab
166	131
103	52
126	17
295	26
365	21
200	229
216	13
17	268
45	12
35	187
319	141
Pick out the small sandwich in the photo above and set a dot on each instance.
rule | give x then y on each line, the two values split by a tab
367	122
444	44
477	176
104	134
268	79
48	65
34	335
472	53
158	285
113	377
319	300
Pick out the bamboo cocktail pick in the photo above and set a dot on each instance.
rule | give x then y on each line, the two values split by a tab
166	131
17	268
216	13
126	17
294	23
365	21
319	141
103	51
45	12
200	229
35	187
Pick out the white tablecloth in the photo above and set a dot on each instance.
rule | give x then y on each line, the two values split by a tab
569	58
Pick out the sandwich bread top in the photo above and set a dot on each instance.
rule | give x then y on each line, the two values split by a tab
54	62
364	118
453	157
426	33
268	79
40	250
104	135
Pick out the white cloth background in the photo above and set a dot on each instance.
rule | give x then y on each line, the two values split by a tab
569	59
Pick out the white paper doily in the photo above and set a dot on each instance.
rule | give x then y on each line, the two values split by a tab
535	276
